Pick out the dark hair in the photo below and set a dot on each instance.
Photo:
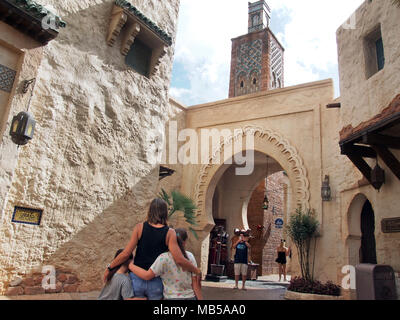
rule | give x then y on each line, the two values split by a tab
114	270
181	237
158	212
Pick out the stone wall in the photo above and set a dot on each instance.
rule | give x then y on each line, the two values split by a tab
92	165
276	196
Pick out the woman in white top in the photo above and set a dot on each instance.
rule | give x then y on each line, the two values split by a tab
178	284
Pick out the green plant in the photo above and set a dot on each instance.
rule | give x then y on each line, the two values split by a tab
301	229
396	3
179	202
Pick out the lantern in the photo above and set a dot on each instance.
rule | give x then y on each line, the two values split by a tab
22	128
377	177
326	190
265	202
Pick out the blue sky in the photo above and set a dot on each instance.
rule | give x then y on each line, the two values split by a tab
307	30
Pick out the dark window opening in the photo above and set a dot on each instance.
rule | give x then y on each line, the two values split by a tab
241	84
254	81
139	57
374	52
380	54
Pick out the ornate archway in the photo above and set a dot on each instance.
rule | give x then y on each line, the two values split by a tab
266	141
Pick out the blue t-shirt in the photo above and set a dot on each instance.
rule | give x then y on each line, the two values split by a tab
241	253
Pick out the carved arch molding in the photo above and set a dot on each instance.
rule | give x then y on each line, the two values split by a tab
275	142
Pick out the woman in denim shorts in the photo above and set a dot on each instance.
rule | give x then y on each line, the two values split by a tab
152	238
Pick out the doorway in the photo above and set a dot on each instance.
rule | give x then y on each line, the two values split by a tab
368	243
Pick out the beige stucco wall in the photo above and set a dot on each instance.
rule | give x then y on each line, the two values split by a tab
363	98
300	117
22	54
92	165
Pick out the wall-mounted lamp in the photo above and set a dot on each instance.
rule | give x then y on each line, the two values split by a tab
377	177
23	124
265	202
326	190
22	128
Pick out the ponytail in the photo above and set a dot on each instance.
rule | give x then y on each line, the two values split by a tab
181	237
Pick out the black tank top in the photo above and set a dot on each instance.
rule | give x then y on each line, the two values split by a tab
150	245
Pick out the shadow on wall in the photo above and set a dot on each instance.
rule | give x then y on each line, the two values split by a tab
92	248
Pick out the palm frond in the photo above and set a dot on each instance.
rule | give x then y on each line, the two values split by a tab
179	202
182	203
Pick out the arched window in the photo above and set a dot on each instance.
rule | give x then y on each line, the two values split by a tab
241	84
254	81
256	20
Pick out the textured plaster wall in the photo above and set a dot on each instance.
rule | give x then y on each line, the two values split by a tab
23	55
92	165
363	98
299	115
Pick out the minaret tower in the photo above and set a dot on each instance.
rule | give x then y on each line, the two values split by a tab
257	62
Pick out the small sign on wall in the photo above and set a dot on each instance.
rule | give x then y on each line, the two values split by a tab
391	225
27	216
279	223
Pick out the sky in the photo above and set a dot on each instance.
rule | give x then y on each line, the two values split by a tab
307	30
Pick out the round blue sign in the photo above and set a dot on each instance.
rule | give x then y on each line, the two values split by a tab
279	223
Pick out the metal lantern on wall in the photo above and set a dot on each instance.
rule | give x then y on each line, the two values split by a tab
326	189
22	128
377	177
265	202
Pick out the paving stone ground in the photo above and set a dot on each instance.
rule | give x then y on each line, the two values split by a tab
264	288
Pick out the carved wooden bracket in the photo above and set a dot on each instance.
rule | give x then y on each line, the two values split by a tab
375	140
118	20
131	24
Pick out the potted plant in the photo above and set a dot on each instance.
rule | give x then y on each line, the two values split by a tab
302	229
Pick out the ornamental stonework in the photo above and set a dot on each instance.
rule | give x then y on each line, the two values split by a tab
250	57
7	77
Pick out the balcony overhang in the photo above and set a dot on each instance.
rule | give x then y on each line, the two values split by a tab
374	139
31	19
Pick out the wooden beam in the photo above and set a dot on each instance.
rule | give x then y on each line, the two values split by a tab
361	165
389	159
361	151
380	139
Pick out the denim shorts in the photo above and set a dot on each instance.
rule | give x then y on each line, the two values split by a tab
152	289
